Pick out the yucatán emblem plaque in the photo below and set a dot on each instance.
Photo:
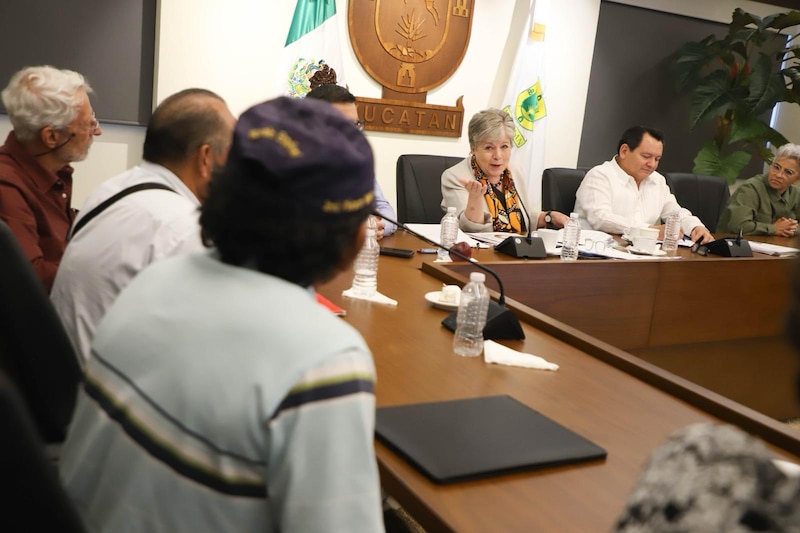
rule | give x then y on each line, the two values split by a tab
410	47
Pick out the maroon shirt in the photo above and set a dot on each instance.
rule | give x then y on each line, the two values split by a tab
35	203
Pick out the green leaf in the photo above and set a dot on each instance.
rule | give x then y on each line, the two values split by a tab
747	127
765	153
708	161
710	99
740	49
790	53
689	60
741	19
734	80
793	73
792	94
774	137
780	21
732	165
742	36
766	85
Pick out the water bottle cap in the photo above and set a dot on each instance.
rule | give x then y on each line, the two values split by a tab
573	215
477	276
451	209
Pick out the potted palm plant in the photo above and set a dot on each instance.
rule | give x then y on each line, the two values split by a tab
736	79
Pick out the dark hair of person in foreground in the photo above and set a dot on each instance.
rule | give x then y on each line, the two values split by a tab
240	220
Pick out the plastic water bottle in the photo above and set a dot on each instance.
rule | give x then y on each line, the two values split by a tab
471	319
672	231
572	236
449	232
372	223
365	281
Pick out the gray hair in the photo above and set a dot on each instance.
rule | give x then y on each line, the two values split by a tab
43	96
490	125
791	151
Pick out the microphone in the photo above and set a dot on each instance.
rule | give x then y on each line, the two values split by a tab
726	247
519	247
57	147
501	323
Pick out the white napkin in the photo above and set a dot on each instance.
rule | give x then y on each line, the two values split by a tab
445	260
501	355
377	297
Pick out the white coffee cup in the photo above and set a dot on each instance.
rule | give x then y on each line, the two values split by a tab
645	239
633	232
549	237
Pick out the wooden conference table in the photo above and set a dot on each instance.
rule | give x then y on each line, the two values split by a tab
617	400
718	322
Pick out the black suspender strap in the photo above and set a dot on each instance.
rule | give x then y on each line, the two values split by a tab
121	194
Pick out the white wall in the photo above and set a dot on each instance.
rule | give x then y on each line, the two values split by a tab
117	149
240	64
232	46
242	39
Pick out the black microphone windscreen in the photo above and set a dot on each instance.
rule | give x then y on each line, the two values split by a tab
501	323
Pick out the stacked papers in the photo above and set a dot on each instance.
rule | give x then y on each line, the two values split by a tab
772	249
493	238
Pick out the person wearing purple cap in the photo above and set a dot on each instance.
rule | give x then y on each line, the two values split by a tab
220	395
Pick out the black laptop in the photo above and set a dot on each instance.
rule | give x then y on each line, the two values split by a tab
479	437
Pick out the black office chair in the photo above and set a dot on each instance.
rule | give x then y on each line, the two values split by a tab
34	499
35	351
705	196
419	187
559	186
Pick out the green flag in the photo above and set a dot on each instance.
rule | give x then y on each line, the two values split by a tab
309	15
312	49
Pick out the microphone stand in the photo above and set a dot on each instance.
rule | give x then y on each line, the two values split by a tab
501	323
530	247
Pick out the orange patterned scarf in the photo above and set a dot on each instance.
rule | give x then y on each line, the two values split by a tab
505	211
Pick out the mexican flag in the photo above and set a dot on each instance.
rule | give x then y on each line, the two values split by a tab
312	53
525	102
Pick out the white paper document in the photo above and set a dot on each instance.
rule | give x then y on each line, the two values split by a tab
772	249
434	233
492	238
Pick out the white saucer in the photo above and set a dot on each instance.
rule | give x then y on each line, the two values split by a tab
433	298
657	253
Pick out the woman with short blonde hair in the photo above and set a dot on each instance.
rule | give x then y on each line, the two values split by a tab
485	191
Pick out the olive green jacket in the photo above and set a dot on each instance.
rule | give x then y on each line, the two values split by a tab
754	206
